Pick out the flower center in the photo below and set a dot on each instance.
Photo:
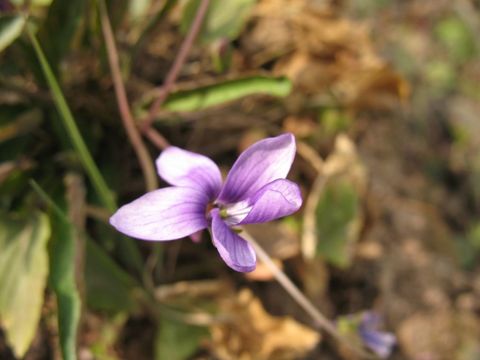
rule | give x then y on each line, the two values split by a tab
232	214
235	213
212	205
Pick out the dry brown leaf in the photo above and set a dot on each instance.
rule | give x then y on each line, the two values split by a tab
321	51
255	334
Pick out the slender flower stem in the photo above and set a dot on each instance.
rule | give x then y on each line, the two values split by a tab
155	138
143	156
177	65
299	297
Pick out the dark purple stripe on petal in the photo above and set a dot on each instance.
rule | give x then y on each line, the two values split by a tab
277	199
260	164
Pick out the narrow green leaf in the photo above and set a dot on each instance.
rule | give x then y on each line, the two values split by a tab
62	279
108	287
93	172
62	275
72	129
23	276
336	213
216	94
59	28
11	27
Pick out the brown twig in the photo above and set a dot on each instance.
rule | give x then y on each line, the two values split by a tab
133	134
177	64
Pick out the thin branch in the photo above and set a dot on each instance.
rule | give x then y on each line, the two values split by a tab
300	298
177	64
133	134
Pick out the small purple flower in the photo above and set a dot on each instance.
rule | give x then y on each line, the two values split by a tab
255	191
379	342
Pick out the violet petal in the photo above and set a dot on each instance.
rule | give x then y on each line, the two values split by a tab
261	163
234	250
381	342
187	169
277	199
166	214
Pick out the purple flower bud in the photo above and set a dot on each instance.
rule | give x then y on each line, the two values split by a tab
379	342
255	191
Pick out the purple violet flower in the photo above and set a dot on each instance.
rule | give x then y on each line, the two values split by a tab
255	191
380	342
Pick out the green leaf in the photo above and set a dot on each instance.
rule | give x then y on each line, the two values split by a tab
334	121
62	279
11	27
23	276
216	94
336	215
76	138
224	19
457	37
177	341
473	236
108	287
441	75
98	182
62	275
60	27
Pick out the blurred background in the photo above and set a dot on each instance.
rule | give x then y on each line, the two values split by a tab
383	97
